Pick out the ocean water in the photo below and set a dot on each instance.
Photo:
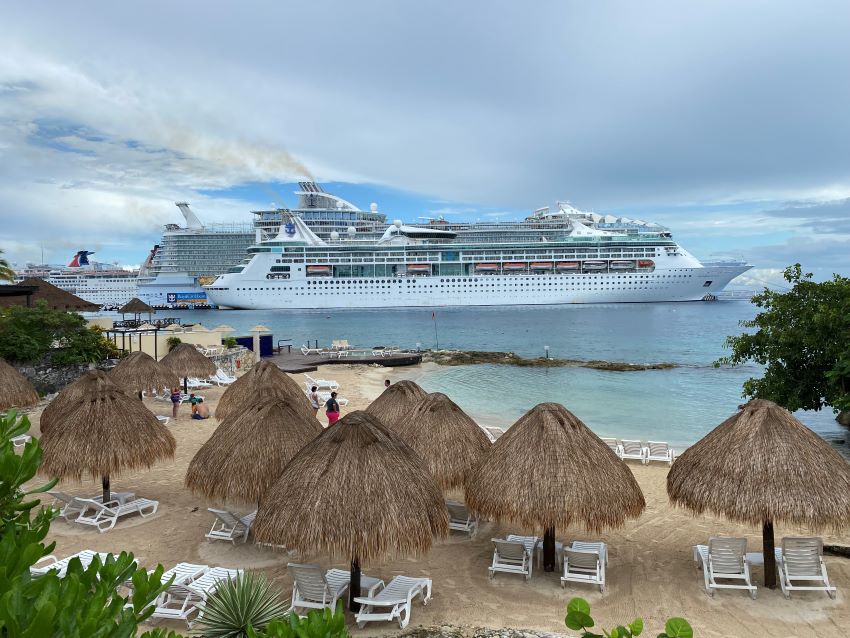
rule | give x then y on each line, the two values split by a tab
679	405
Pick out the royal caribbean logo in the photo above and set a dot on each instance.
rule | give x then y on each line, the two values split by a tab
289	229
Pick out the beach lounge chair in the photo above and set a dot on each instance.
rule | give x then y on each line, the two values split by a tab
104	516
801	559
615	446
321	384
229	526
585	563
460	520
659	451
512	555
395	601
307	350
21	440
194	383
181	601
313	589
72	506
163	419
632	450
223	378
51	563
726	559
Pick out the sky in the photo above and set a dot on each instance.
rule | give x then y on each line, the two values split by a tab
725	121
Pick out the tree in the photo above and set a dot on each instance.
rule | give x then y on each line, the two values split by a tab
802	338
6	272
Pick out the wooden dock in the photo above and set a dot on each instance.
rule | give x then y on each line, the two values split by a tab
295	362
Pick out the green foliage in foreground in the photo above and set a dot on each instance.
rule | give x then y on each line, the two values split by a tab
802	338
27	334
318	624
245	601
578	618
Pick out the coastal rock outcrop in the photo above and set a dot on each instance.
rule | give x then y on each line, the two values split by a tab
471	357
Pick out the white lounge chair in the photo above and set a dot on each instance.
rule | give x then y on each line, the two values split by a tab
72	505
632	450
163	419
615	446
460	519
104	516
801	559
306	350
584	565
229	526
51	563
321	384
512	556
395	601
182	572
21	440
659	451
726	559
195	383
223	378
181	601
316	590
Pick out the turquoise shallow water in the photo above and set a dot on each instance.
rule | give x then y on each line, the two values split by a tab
679	405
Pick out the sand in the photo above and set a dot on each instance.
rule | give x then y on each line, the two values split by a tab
651	572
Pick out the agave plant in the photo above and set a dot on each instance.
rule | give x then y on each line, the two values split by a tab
247	600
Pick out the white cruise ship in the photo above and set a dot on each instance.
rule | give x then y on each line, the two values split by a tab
552	257
103	284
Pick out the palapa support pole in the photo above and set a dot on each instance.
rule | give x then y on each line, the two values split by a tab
768	546
549	549
354	586
186	385
105	484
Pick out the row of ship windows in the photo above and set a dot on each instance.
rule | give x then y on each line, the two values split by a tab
582	286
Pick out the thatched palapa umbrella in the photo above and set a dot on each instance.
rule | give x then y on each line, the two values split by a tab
139	371
396	402
264	380
185	361
356	491
102	432
446	438
549	470
762	466
243	457
15	389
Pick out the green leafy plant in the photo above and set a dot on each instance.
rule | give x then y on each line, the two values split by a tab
579	619
245	601
317	624
84	603
173	342
6	272
229	342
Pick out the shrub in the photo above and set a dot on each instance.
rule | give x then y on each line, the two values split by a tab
173	342
317	624
245	601
578	618
229	342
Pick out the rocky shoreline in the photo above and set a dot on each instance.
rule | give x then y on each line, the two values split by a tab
473	357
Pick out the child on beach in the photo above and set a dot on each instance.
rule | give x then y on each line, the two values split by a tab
332	409
314	399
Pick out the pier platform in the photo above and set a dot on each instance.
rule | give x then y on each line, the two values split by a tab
295	362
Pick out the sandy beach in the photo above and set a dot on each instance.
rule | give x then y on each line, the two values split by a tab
651	572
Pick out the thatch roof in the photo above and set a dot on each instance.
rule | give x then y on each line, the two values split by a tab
224	328
103	432
174	327
395	402
264	381
243	457
56	298
356	491
15	389
139	371
550	470
446	438
136	306
762	464
185	361
57	409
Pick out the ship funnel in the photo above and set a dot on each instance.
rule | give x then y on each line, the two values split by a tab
192	220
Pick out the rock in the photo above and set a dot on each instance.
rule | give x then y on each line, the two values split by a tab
843	418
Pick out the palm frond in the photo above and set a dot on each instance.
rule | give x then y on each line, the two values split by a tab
247	600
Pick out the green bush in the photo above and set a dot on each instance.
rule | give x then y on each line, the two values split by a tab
229	342
318	624
28	334
578	619
173	342
245	601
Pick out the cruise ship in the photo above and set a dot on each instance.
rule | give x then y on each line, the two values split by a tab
558	256
190	256
104	284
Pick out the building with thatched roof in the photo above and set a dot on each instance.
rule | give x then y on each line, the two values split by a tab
264	380
136	307
103	432
138	372
15	389
762	466
245	456
550	470
396	402
447	439
55	297
356	491
185	361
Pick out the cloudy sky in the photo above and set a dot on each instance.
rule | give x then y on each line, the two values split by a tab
729	122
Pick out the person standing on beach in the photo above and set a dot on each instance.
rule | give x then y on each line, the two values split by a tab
314	399
386	383
332	409
176	399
